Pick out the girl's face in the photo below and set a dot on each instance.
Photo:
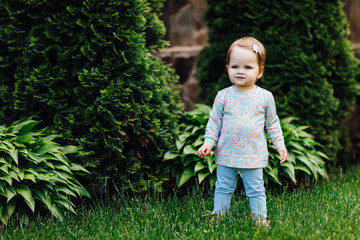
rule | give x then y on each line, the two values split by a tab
243	69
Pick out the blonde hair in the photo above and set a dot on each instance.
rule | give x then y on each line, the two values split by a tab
247	42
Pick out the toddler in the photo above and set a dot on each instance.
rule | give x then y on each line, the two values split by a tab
239	118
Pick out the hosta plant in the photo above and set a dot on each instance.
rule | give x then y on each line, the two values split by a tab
35	172
304	160
185	163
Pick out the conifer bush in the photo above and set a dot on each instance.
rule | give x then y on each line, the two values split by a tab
85	68
310	67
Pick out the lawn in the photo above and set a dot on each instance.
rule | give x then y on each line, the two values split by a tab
328	210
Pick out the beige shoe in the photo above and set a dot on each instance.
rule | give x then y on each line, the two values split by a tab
260	222
212	213
214	216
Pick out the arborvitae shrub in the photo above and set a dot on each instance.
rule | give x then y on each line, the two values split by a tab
310	66
86	70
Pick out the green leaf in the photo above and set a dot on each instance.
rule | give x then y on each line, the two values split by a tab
7	178
4	168
10	192
194	130
323	173
2	160
2	190
14	155
66	203
60	157
56	212
47	147
50	165
323	155
24	139
199	166
81	191
199	141
24	126
202	176
303	169
185	176
212	179
188	159
209	160
25	192
212	168
190	150
291	158
201	119
40	193
69	149
21	175
297	146
179	144
184	136
289	170
14	175
273	173
33	156
203	108
30	177
78	167
65	190
169	155
306	161
6	211
31	171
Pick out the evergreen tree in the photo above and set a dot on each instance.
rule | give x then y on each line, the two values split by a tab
85	68
310	67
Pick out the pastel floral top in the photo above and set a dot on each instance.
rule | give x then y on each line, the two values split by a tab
237	126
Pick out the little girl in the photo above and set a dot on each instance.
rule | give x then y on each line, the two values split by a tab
238	120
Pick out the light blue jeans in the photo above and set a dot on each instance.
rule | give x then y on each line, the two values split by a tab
254	189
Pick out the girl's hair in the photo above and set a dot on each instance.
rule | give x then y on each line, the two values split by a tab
248	42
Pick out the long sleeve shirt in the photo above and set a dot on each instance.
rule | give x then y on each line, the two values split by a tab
238	124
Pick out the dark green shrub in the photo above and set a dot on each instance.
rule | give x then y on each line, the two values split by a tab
34	171
85	69
310	67
303	162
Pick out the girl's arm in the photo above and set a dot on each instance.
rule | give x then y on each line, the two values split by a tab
273	126
214	124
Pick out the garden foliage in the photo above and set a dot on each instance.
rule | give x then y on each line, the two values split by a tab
304	162
34	172
86	70
185	163
310	67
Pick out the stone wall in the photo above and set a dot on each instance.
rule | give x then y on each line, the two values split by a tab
184	23
352	10
187	33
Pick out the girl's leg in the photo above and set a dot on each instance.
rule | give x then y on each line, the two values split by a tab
255	190
224	188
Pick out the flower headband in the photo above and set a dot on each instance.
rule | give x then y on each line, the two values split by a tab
255	48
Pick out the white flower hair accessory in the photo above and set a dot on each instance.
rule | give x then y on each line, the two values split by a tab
255	48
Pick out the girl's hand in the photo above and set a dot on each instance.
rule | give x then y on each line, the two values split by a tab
204	150
283	154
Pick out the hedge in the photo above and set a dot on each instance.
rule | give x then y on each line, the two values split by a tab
86	70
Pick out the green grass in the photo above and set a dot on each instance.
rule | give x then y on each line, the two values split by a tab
328	210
